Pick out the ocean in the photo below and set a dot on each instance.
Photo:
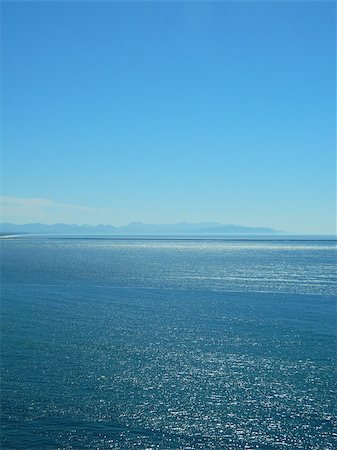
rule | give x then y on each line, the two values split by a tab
168	343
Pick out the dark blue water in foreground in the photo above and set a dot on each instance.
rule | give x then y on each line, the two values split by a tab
168	344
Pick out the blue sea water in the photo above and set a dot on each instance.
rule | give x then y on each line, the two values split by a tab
168	344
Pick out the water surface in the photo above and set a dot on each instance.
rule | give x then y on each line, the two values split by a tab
169	344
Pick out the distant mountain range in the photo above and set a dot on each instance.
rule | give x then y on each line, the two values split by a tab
136	228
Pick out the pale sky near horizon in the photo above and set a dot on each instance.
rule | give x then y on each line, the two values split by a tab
165	112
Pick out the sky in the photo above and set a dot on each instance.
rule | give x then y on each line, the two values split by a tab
162	112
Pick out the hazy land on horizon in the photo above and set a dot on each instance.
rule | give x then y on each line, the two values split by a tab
182	228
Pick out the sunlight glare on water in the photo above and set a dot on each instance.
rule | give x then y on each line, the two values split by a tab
168	344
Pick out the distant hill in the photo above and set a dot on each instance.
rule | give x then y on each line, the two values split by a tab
136	228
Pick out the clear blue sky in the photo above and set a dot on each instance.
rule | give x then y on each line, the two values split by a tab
163	112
